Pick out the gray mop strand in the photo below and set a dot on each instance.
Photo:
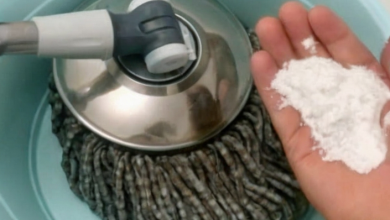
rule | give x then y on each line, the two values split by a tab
240	174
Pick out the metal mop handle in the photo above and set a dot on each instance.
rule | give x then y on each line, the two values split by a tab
19	38
150	29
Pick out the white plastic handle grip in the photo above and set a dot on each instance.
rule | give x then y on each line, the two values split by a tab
77	35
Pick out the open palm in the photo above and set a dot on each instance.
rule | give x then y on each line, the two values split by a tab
334	190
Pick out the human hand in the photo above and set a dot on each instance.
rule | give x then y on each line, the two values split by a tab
331	187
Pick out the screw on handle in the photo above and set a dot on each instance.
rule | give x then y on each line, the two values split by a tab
152	30
146	28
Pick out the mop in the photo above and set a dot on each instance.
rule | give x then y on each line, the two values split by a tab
242	173
239	173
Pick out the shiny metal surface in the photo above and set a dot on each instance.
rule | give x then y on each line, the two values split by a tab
18	38
160	117
135	67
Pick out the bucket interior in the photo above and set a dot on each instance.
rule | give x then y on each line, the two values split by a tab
33	185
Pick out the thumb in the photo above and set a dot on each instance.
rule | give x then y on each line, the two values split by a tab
385	64
385	58
385	114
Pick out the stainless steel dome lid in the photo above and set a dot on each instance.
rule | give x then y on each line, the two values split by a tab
123	103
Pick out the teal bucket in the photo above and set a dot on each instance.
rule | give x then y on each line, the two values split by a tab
32	183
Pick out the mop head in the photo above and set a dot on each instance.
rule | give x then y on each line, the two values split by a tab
242	173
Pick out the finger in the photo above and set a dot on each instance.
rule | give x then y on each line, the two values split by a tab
385	59
385	114
385	123
273	39
295	20
287	120
342	44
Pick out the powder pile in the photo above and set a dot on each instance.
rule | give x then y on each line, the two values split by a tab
342	107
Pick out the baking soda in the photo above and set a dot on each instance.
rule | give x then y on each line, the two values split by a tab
342	107
310	45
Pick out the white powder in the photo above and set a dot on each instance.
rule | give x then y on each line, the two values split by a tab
341	106
310	45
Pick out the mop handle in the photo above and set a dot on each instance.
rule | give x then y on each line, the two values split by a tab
18	38
151	29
